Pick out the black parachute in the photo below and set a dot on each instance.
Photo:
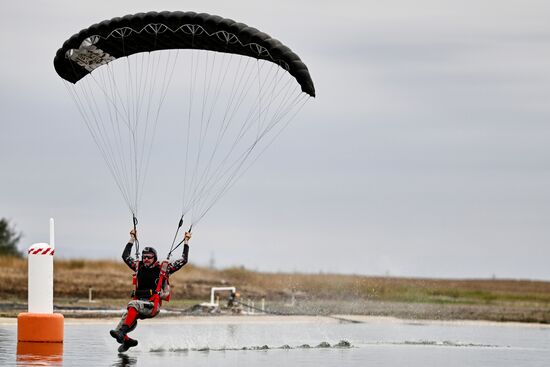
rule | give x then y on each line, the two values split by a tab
233	89
152	31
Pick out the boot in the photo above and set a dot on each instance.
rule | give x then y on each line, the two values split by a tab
120	333
128	343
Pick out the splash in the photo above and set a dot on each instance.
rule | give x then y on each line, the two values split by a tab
444	343
321	345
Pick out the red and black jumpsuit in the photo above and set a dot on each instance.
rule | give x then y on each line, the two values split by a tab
143	304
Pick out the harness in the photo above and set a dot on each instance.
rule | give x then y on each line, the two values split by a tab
134	278
157	302
153	297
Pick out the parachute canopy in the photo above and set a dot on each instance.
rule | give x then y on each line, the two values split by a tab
223	89
145	32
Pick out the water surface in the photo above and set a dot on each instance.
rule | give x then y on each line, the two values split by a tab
284	342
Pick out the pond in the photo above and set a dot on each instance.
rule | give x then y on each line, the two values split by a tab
290	341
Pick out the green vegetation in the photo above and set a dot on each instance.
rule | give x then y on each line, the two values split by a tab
9	238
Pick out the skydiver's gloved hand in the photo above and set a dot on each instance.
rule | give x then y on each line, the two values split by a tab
133	235
186	237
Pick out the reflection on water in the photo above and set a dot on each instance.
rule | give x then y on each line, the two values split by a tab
375	342
38	360
32	354
125	360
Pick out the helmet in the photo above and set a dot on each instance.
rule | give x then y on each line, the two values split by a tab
149	250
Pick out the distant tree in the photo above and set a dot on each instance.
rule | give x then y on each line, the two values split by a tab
9	238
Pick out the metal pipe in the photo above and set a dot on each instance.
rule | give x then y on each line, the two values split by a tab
214	289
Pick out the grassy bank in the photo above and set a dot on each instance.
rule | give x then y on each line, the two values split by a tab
490	299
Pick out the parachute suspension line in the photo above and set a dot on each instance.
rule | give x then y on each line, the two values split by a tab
247	122
246	86
124	152
151	123
205	98
138	134
87	120
132	127
121	173
259	98
214	150
203	127
221	130
146	96
134	130
238	170
164	91
97	127
227	116
238	83
199	147
242	131
135	110
203	183
180	223
301	104
220	82
111	101
146	123
267	87
268	83
276	79
241	97
112	118
192	82
190	179
205	95
140	80
116	144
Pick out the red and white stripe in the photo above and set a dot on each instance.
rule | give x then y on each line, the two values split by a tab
41	251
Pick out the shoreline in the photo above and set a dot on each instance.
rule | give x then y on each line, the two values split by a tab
286	319
353	310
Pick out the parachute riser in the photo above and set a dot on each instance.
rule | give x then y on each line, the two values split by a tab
136	242
180	223
185	241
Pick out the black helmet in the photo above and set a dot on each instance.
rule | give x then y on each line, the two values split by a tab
149	250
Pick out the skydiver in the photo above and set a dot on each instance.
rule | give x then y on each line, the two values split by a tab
147	296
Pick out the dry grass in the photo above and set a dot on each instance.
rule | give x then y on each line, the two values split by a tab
112	279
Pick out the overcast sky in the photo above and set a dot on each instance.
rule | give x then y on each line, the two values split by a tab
424	154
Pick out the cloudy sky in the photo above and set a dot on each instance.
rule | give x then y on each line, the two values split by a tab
424	154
